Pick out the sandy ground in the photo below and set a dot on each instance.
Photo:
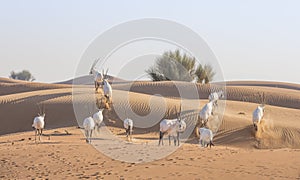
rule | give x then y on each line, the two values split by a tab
273	152
68	156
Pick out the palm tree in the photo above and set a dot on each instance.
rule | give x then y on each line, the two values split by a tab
173	65
204	73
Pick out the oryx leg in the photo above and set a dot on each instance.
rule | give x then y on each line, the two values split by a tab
161	137
127	132
91	134
35	134
178	138
98	128
211	144
255	126
202	142
203	122
41	133
130	134
86	136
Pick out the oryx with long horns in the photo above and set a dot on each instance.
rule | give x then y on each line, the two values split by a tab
39	122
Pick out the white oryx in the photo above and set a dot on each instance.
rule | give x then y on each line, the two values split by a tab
206	112
128	125
98	118
206	137
98	76
257	115
89	126
171	127
215	96
39	123
107	89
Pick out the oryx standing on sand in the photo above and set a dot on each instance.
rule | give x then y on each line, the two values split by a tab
258	113
98	76
39	123
107	89
172	127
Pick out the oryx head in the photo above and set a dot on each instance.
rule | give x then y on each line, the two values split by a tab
221	94
262	106
94	65
42	111
181	125
105	76
263	101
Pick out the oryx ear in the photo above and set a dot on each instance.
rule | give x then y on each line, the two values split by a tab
263	99
106	74
179	112
40	110
44	109
167	113
222	93
94	64
180	108
176	113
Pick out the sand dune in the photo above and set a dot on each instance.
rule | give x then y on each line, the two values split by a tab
18	110
283	85
236	142
9	86
237	129
274	96
144	107
89	80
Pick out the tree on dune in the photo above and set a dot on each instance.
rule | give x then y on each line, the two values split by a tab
204	73
177	66
24	75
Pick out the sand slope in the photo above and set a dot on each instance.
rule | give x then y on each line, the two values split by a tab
236	142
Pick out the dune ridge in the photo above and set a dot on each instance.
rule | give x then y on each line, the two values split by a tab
10	86
283	85
274	96
277	138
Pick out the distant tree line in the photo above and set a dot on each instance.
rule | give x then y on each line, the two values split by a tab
24	75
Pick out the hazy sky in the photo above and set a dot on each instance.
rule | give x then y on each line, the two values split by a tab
251	39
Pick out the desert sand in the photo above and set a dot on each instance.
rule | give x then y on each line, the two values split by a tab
240	153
